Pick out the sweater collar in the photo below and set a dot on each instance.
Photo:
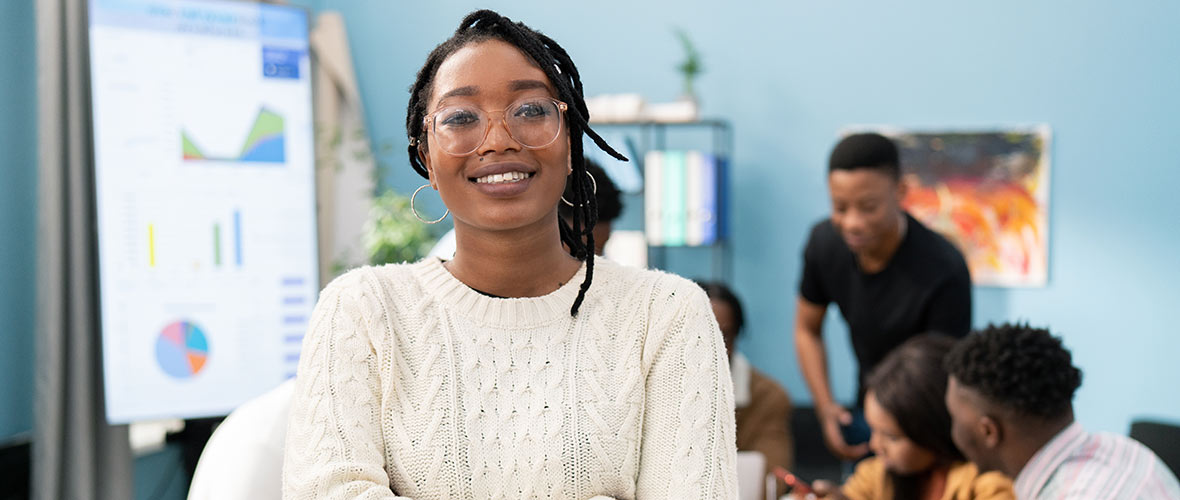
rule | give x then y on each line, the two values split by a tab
519	312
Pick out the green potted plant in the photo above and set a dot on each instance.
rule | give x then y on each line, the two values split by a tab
691	67
393	234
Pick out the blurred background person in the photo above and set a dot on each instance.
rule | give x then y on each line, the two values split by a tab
763	413
911	434
890	276
1011	399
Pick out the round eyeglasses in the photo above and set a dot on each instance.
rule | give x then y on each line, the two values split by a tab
534	122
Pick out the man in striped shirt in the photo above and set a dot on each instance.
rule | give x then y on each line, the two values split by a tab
1010	396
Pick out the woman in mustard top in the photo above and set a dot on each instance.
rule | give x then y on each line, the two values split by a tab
915	456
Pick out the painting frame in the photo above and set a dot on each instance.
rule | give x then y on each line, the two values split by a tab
987	190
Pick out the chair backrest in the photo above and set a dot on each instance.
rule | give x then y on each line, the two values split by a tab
751	475
1163	439
812	458
243	460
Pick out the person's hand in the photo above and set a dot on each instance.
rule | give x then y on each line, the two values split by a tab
826	490
830	420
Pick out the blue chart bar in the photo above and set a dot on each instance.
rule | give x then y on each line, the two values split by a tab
238	237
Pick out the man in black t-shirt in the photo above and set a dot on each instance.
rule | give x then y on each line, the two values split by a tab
891	277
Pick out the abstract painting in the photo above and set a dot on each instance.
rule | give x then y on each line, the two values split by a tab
987	191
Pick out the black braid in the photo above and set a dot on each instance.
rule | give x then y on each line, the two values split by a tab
559	68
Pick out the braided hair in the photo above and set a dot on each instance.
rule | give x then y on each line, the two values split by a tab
484	25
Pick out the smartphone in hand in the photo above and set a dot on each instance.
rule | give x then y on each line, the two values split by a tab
797	485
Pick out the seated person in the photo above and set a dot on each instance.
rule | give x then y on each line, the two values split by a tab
763	408
243	459
1011	399
911	434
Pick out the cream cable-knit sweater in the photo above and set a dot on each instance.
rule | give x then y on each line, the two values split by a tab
413	384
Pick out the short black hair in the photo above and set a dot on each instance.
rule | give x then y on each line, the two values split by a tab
610	200
716	290
1017	367
867	150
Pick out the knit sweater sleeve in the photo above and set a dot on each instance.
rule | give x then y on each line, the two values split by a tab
688	450
334	446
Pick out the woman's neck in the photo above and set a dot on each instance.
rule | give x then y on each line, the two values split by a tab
523	262
935	486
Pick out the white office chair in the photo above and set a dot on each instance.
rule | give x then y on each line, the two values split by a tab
753	481
243	460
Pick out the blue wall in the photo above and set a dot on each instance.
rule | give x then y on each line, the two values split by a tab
789	75
18	187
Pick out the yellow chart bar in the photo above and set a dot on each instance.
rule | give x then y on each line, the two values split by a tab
151	245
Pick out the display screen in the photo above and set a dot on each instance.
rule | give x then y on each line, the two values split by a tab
205	200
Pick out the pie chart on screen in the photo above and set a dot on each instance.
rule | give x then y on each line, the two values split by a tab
182	349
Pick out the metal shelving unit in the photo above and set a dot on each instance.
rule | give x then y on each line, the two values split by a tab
655	136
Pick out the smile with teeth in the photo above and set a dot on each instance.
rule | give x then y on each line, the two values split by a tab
503	178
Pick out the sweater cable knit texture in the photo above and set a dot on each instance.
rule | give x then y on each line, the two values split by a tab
411	382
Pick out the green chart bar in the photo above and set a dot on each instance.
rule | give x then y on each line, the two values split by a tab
217	244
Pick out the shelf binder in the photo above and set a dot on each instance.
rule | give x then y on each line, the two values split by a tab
684	198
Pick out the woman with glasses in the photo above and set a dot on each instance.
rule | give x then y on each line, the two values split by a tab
502	373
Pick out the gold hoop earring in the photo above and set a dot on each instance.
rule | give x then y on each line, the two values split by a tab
593	184
415	210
